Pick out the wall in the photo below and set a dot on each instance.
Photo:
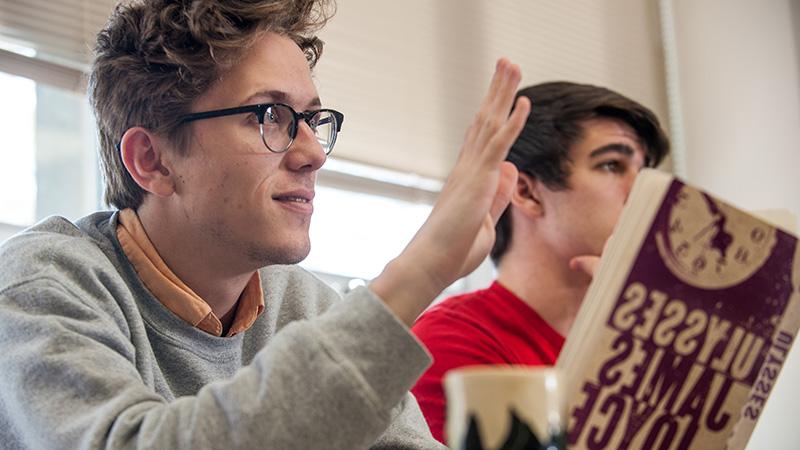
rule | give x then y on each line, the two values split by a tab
739	77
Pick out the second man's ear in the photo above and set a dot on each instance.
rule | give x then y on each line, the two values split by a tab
145	160
526	197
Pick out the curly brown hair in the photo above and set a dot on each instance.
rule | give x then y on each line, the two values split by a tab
155	57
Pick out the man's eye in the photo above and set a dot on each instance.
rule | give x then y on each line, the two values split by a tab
271	116
612	166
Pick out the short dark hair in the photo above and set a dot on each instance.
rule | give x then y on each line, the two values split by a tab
154	58
555	123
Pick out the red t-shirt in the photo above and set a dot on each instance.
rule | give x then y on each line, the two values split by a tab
490	326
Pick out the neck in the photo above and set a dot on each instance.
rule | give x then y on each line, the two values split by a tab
199	266
544	282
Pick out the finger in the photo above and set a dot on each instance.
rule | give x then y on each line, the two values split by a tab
500	94
502	140
476	131
497	83
586	264
505	187
500	98
519	115
503	97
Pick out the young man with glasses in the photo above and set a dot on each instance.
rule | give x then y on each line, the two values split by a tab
180	321
577	157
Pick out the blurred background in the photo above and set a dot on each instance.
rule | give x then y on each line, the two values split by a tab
722	75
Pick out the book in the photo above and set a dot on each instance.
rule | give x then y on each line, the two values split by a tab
685	326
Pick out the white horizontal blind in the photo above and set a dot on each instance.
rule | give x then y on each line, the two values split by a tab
409	75
60	31
43	71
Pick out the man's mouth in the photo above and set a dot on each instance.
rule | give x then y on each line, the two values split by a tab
299	197
290	198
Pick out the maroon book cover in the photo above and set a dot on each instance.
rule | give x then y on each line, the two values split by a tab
697	333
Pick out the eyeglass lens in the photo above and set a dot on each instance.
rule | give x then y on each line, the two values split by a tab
280	128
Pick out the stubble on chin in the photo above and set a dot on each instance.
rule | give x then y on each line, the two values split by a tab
257	253
263	257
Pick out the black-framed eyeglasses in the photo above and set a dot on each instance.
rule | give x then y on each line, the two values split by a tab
278	123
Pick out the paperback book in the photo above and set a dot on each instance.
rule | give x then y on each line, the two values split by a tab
685	327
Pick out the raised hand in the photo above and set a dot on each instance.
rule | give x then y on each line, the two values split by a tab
460	229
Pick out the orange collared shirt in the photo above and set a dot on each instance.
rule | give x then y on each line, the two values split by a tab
172	292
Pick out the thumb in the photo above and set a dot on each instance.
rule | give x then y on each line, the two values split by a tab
585	263
588	263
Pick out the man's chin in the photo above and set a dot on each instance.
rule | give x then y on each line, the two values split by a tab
284	255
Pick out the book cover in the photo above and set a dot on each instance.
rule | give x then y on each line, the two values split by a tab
680	349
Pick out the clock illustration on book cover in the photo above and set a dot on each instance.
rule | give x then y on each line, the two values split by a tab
710	245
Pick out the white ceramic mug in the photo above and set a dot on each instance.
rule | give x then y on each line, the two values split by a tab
505	408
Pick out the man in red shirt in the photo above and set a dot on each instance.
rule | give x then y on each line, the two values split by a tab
577	156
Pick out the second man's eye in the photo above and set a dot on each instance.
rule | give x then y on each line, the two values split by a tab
612	166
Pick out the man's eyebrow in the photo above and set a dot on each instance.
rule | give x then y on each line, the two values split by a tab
623	149
280	97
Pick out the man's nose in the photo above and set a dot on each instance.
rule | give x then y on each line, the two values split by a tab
306	153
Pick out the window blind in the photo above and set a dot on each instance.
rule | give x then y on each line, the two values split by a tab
410	75
59	31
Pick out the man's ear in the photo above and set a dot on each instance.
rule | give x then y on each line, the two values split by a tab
143	155
527	197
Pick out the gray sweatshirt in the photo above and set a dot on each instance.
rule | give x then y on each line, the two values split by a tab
90	359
